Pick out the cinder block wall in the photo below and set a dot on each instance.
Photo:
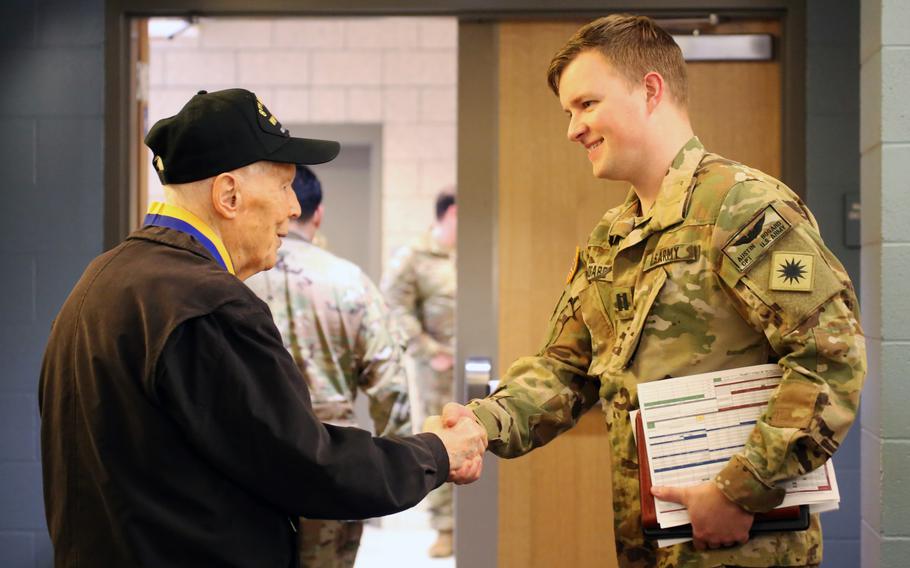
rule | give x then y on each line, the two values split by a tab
397	72
885	171
832	170
51	142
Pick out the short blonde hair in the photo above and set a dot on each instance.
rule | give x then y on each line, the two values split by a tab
635	45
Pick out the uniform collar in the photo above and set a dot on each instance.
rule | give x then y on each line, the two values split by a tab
298	236
676	188
429	244
672	199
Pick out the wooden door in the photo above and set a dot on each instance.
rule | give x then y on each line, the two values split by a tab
555	505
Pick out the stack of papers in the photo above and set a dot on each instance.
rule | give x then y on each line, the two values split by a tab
694	424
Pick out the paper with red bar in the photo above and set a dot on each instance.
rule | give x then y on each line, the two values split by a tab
694	424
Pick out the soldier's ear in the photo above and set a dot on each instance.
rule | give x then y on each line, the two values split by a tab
654	87
317	216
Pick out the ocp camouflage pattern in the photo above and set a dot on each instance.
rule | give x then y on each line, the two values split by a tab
420	287
339	330
685	290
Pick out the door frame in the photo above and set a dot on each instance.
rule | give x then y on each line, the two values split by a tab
477	325
118	163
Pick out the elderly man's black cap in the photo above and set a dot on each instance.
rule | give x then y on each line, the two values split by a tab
225	130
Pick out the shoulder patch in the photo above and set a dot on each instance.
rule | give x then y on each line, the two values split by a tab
756	237
791	271
575	262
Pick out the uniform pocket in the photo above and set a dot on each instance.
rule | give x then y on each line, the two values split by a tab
793	405
629	332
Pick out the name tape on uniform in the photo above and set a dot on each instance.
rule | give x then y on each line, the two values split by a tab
596	271
673	253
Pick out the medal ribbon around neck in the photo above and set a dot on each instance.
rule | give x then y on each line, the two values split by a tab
179	219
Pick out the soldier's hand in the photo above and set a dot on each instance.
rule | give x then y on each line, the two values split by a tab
452	412
716	521
465	443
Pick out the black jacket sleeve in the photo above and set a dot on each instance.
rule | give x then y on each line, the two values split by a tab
229	383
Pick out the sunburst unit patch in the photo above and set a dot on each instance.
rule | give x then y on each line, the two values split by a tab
791	271
754	239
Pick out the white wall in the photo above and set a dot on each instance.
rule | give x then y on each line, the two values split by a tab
397	72
885	171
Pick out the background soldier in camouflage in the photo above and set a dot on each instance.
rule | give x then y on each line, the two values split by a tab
707	265
337	327
420	288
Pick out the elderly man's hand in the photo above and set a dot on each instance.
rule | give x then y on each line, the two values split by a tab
465	441
716	521
452	412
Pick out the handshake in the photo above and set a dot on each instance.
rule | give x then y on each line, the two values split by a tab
464	438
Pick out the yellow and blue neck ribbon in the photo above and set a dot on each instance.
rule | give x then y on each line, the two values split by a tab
179	219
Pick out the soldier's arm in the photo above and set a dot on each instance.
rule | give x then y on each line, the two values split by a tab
542	396
814	332
399	286
381	370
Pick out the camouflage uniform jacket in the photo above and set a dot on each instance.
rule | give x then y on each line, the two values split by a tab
726	270
420	288
337	327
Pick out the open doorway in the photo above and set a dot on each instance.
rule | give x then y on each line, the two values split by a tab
383	87
792	127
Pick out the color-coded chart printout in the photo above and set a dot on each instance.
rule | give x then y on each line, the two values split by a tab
693	426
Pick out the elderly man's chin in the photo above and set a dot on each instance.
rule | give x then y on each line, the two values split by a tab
270	262
270	259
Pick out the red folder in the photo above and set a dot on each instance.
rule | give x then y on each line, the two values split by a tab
787	518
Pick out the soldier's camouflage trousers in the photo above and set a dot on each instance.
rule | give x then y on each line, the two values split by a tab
328	544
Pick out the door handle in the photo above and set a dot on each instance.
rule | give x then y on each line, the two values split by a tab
478	377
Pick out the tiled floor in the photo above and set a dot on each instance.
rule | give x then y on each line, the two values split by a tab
401	542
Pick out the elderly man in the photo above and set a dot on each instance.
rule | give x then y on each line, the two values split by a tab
176	429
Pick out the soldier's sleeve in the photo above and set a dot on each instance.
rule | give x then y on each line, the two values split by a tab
399	286
542	396
787	284
381	370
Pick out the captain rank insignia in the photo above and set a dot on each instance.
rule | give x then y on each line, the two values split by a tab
622	302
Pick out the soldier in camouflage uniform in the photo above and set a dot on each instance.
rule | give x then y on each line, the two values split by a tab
715	266
337	327
420	288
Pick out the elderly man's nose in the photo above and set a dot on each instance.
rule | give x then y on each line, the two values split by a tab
295	207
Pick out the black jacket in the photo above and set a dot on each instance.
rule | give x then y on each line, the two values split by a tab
176	429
